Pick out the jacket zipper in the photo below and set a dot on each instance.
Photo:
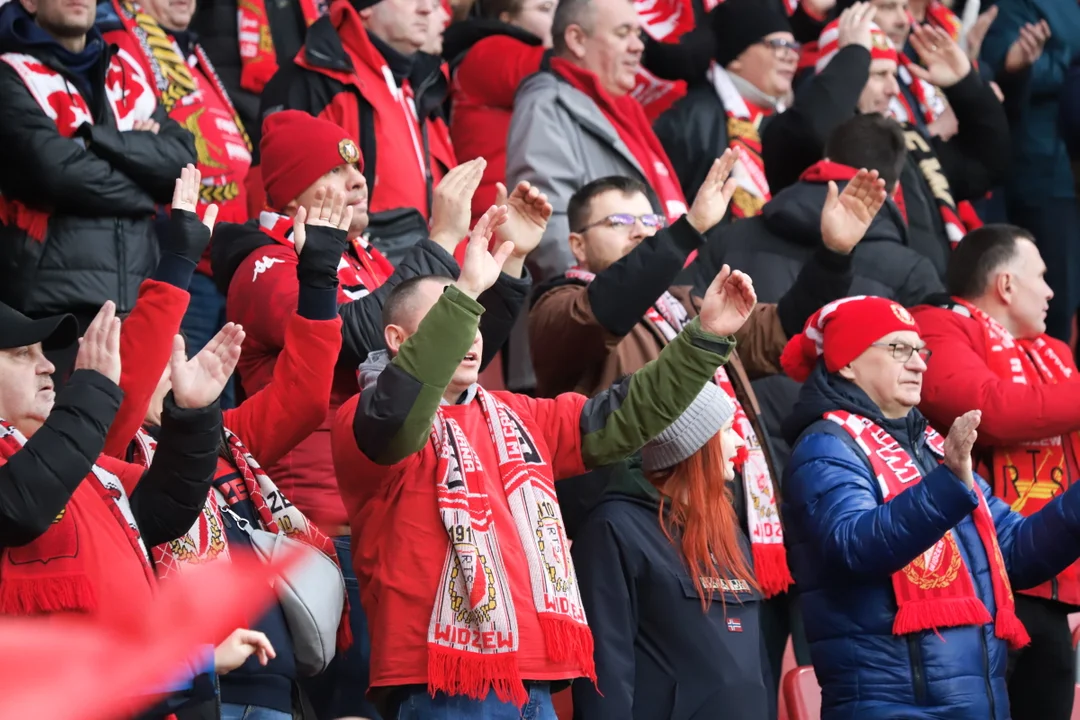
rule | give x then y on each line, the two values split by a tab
917	678
986	673
121	269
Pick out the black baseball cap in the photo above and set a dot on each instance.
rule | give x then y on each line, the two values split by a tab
54	333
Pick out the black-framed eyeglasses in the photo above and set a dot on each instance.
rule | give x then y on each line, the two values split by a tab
625	220
778	45
902	352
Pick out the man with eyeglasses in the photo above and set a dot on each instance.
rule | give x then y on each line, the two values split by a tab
619	307
756	59
992	352
907	561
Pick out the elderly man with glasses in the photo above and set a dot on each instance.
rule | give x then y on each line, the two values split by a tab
620	306
906	559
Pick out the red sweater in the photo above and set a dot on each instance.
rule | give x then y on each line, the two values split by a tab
958	379
398	580
483	92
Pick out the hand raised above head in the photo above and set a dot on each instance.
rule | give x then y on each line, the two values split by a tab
328	209
481	268
847	216
451	207
715	193
199	381
99	347
528	212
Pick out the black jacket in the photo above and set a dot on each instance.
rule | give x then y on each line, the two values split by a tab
38	481
773	248
658	654
361	319
100	243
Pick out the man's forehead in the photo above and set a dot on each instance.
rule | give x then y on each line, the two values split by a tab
909	337
617	201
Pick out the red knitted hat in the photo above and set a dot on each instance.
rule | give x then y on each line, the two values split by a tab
297	149
842	331
881	47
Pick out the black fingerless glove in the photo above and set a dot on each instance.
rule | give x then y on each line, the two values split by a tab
320	257
187	236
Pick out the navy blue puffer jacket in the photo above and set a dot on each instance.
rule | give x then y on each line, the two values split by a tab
844	544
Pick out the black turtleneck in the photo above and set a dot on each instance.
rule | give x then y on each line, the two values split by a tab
185	39
400	65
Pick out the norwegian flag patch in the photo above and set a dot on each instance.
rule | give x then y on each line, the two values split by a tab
734	625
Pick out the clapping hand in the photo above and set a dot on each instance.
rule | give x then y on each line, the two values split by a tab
1027	48
99	347
854	26
712	199
846	216
959	443
186	196
149	125
451	209
199	381
328	209
528	212
728	302
945	63
480	268
977	32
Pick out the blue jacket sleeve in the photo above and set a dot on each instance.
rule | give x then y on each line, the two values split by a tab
841	508
1038	547
1048	72
608	593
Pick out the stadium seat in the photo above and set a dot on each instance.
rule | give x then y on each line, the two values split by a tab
802	694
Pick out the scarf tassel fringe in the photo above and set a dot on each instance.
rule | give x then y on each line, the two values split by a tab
464	673
43	595
1009	628
568	641
771	568
929	613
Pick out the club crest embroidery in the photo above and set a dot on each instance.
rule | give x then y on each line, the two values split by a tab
348	151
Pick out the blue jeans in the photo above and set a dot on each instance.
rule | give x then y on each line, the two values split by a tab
204	317
419	705
340	690
251	712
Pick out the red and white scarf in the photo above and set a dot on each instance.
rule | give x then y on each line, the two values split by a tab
935	589
258	57
669	317
473	634
360	272
743	129
50	574
206	541
1029	475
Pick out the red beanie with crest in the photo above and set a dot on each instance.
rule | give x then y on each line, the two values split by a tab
842	331
297	149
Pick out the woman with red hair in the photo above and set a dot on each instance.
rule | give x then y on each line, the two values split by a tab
668	583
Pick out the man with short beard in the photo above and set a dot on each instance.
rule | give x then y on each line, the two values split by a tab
86	153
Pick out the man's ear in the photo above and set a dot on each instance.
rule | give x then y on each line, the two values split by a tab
575	41
395	336
847	373
1004	286
577	247
366	14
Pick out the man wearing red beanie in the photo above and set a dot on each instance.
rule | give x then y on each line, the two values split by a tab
361	67
905	560
309	162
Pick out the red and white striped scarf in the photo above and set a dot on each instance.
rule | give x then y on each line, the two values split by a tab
669	317
473	634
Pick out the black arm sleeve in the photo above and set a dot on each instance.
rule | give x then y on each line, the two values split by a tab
152	160
805	27
795	139
687	59
38	481
44	169
502	303
827	276
976	159
361	320
172	492
620	295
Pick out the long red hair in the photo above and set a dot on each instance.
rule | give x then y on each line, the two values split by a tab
700	511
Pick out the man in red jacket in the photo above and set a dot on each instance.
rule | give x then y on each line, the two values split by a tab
991	351
362	68
309	161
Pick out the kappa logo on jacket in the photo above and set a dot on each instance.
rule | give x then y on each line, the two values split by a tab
263	264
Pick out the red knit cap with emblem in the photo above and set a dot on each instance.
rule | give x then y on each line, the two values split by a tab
842	331
297	149
881	47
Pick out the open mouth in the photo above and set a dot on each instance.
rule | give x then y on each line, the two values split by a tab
471	357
